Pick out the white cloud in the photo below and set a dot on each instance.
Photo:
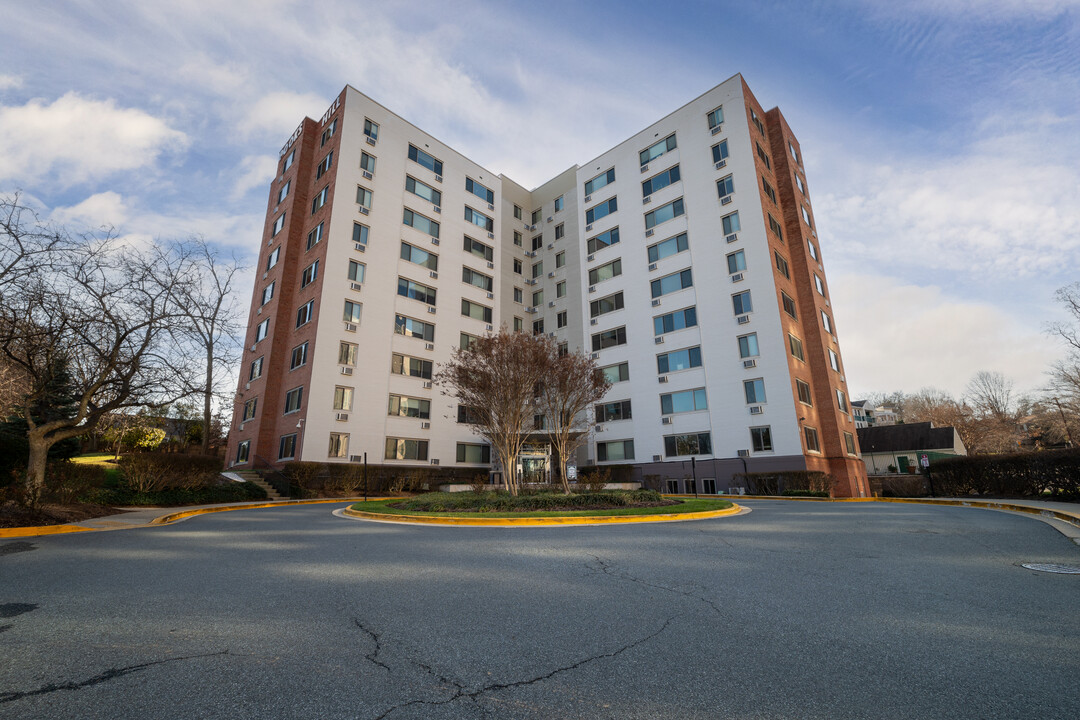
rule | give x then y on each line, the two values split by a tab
105	209
79	139
254	171
10	82
277	114
897	336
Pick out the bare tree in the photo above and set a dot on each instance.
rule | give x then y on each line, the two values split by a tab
496	379
991	393
572	385
29	246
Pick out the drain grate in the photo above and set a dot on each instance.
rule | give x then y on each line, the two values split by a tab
1052	568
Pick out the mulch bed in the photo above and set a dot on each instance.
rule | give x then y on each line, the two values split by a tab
568	508
13	515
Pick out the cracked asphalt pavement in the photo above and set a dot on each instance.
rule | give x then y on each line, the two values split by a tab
797	610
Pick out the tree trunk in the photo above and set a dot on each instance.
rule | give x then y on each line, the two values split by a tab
207	396
35	468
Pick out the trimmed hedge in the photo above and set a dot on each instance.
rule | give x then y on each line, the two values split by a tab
1049	472
787	481
207	495
504	502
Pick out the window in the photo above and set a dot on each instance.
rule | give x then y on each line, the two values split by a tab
423	190
363	197
683	401
261	329
672	283
538	297
249	410
678	320
609	338
561	320
299	356
293	399
415	291
664	213
278	225
367	162
479	190
789	305
826	322
320	199
768	189
517	238
812	444
470	276
794	154
519	324
799	182
607	304
422	158
310	273
371	129
819	284
725	186
315	236
616	373
283	192
690	444
604	240
272	258
465	340
678	360
268	293
519	295
347	353
741	303
325	165
479	219
419	257
748	346
660	181
602	210
537	215
405	449
756	121
560	289
806	216
813	250
343	398
754	390
409	327
803	390
559	203
517	212
795	345
613	411
256	368
782	265
606	271
654	151
736	262
763	155
305	313
475	311
666	248
287	447
479	249
761	439
560	259
476	454
421	223
288	162
775	227
538	269
243	450
560	231
329	132
604	178
518	266
834	360
538	242
849	444
538	327
357	271
715	117
359	233
413	367
841	401
409	407
351	312
339	445
720	151
615	450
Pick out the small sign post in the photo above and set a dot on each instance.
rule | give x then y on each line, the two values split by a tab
924	460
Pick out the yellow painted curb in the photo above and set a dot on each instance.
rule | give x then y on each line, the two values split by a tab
559	520
167	519
41	530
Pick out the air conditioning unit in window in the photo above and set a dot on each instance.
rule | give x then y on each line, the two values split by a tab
364	210
755	410
437	209
657	458
532	227
595	356
429	346
588	198
731	238
350	327
592	289
551	303
264	275
425	425
491	266
659	339
593	321
665	421
343	416
725	200
598	428
346	371
662	379
550	219
743	319
551	246
438	178
721	165
530	253
427	384
491	236
431	310
434	241
590	258
530	310
717	129
370	140
433	274
749	363
367	175
489	328
255	345
551	274
646	200
644	168
530	281
490	206
360	247
649	233
259	311
744	453
588	228
737	277
491	296
356	286
551	335
434	461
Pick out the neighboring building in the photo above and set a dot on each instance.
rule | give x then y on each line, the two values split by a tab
873	417
685	260
898	448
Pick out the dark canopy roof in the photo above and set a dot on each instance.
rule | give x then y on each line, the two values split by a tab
906	437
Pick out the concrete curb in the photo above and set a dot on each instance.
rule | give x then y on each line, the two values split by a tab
42	530
543	521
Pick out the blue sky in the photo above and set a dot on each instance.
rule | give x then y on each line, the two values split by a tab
941	138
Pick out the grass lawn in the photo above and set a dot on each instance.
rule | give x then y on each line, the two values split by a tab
105	460
686	506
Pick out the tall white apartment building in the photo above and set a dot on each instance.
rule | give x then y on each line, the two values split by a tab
685	260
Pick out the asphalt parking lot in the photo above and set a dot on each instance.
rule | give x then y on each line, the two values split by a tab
796	610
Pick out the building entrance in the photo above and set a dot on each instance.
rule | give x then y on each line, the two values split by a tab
535	463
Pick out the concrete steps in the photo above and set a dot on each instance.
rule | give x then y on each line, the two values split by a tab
254	477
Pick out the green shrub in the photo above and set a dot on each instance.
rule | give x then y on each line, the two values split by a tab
1049	472
488	501
205	495
782	481
66	481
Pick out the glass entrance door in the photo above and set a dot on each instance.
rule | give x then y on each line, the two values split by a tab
534	469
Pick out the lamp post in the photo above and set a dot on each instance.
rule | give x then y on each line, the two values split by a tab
693	469
365	476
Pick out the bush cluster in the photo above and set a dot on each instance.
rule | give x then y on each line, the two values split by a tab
504	502
1050	472
205	495
153	472
787	481
313	479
